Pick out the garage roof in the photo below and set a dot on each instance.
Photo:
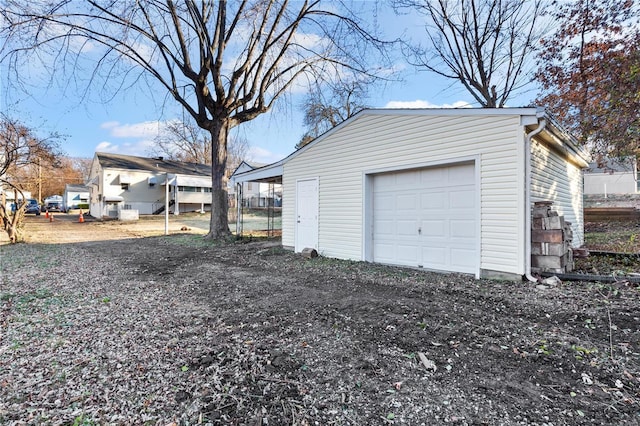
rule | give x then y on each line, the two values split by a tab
530	118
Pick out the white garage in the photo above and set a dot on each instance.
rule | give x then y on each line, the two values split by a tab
427	218
441	189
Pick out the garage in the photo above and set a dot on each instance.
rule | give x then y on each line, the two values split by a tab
427	218
439	189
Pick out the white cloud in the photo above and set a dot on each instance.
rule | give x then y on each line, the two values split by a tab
139	148
134	139
146	129
261	155
106	147
425	104
109	124
308	40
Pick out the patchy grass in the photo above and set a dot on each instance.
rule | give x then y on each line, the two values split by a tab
621	237
615	237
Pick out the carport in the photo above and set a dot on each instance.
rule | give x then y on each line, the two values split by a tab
271	175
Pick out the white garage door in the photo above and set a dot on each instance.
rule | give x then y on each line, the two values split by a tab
426	218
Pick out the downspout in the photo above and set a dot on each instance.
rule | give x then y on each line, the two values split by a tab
527	194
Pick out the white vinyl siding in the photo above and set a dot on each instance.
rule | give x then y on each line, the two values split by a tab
375	143
555	179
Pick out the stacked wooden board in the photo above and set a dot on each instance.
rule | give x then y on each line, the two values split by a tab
551	240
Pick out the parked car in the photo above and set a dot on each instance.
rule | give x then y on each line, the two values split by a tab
54	206
32	207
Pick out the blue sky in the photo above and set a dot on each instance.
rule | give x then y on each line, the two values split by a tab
129	123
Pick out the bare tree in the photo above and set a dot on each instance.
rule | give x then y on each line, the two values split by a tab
185	141
486	45
329	104
20	149
224	62
82	168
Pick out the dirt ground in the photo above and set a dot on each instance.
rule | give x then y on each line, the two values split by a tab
175	330
66	228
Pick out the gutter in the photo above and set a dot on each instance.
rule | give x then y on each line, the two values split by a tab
570	150
527	195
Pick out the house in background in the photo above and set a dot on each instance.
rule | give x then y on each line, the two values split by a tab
10	197
123	182
612	177
75	196
255	194
443	189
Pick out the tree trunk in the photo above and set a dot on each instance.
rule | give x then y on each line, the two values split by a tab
12	223
12	232
219	224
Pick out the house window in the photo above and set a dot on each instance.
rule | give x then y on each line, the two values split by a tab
206	189
188	189
124	186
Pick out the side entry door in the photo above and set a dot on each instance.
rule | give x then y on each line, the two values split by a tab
306	226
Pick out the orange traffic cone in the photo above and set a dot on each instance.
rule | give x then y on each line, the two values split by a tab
81	218
46	214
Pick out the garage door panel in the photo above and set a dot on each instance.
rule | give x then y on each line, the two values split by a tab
385	181
462	228
463	259
408	252
383	202
462	199
434	257
407	178
385	227
407	227
461	175
427	218
406	202
433	178
385	250
433	200
434	228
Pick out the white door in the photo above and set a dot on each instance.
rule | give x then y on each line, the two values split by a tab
306	214
427	218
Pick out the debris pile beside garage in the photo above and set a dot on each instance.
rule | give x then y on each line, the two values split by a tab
551	240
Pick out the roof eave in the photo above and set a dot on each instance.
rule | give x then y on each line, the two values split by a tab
566	142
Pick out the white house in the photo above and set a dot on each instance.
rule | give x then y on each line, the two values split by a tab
255	194
75	196
10	197
612	176
444	189
124	182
